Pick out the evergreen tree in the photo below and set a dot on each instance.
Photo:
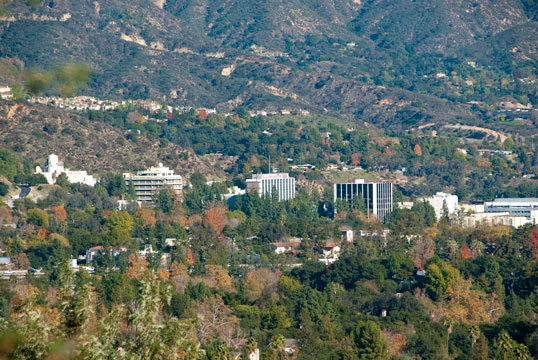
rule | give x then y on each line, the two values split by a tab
369	341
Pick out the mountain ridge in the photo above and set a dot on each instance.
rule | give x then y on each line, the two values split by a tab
276	54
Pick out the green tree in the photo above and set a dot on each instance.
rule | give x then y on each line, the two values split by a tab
131	193
63	181
119	224
4	189
438	276
38	217
10	165
505	348
165	200
369	341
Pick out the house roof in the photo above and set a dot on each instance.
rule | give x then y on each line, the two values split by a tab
331	245
290	342
286	244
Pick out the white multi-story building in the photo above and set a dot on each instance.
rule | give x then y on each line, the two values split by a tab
53	168
147	182
439	200
264	184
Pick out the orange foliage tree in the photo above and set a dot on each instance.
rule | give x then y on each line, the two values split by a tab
59	213
148	215
218	277
465	252
214	219
137	266
418	150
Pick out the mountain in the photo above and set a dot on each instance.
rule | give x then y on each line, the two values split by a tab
362	60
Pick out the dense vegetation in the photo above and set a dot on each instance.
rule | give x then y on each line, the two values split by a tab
221	283
196	276
449	160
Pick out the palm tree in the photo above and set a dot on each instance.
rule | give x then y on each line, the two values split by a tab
448	322
278	344
505	344
475	334
251	345
477	247
453	248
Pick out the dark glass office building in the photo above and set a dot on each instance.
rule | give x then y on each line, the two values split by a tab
377	196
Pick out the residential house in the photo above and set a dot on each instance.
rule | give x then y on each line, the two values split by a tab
346	233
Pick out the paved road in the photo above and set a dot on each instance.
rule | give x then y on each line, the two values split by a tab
25	190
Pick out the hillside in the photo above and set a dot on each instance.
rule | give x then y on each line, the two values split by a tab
365	61
33	132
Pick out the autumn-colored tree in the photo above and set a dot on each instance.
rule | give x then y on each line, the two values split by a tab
423	249
62	239
355	159
189	257
137	266
5	215
465	252
202	114
396	342
43	233
214	219
472	307
164	274
260	284
148	215
20	261
418	150
59	213
177	268
195	219
218	277
534	237
216	320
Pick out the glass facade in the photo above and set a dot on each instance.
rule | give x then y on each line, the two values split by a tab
377	196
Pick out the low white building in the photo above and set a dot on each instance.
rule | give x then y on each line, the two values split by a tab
148	250
405	205
330	253
346	233
6	93
527	207
283	247
490	219
53	168
472	208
